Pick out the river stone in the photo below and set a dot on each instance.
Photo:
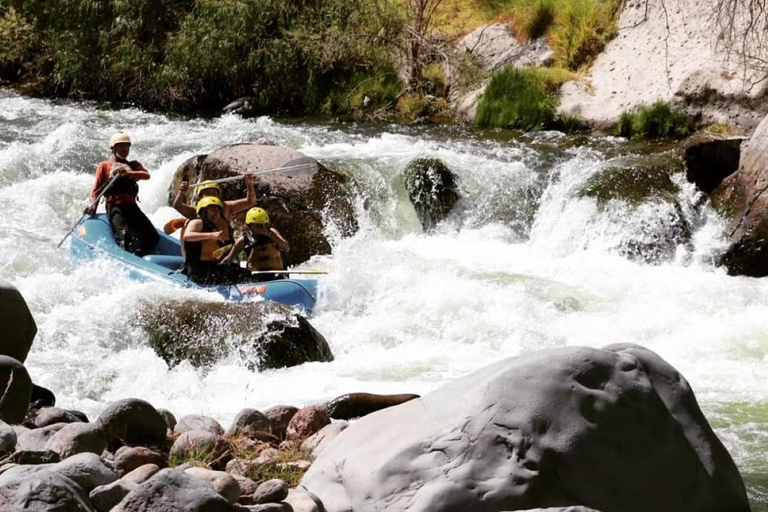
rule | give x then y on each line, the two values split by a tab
42	397
132	421
610	429
87	470
16	323
301	500
356	405
74	438
17	390
106	497
709	158
7	439
263	335
221	482
198	422
201	445
271	491
306	422
37	439
51	415
141	474
279	417
172	490
134	457
170	419
247	422
495	45
297	201
743	198
432	189
37	489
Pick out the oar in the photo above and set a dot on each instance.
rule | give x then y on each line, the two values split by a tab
259	173
257	272
95	202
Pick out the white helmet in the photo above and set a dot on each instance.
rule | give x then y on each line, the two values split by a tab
119	138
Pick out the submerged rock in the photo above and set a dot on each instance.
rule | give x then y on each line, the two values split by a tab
300	201
646	186
743	198
261	334
432	189
610	429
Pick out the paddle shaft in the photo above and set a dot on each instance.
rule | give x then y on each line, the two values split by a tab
259	173
93	203
289	272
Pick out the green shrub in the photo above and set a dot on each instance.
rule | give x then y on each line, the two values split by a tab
656	121
17	42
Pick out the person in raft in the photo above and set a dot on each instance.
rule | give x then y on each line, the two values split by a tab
210	189
205	242
134	232
264	245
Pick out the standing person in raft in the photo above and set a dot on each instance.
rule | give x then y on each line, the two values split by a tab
205	242
134	232
263	244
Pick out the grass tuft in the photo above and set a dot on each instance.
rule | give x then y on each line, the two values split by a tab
655	121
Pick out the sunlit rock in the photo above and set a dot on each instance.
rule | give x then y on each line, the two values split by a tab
743	198
261	334
301	201
611	429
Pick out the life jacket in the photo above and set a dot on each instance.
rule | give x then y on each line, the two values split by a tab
124	188
264	254
202	251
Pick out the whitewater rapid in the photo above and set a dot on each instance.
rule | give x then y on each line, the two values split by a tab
524	264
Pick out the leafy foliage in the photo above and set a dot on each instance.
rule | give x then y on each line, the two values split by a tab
656	121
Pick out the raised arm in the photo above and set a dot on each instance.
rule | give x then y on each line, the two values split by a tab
249	200
183	208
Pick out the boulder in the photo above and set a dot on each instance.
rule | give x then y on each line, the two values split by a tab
198	422
7	439
37	439
356	405
743	198
173	490
432	189
301	201
40	490
301	500
709	158
495	45
221	482
16	323
138	456
17	390
610	429
106	497
263	335
270	491
170	419
87	470
314	444
279	417
42	397
142	473
306	422
644	185
74	438
247	422
51	415
132	421
29	457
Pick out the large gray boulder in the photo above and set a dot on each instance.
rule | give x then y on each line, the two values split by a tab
743	198
132	421
16	323
35	489
263	335
301	201
610	429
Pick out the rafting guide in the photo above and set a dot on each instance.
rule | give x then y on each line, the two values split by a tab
117	180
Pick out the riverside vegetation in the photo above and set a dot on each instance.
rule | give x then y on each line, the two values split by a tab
375	59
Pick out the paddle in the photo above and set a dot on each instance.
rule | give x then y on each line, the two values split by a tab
256	272
93	203
258	173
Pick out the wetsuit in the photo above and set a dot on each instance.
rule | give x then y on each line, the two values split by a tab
134	232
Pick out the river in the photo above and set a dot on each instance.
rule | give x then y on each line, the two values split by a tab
524	264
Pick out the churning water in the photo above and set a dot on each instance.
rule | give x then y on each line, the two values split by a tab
526	262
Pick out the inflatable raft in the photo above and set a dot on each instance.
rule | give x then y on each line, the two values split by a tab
93	238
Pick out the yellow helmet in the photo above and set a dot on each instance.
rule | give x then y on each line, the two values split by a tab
257	216
208	201
207	185
119	138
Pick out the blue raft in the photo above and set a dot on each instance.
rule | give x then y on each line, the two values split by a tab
93	238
